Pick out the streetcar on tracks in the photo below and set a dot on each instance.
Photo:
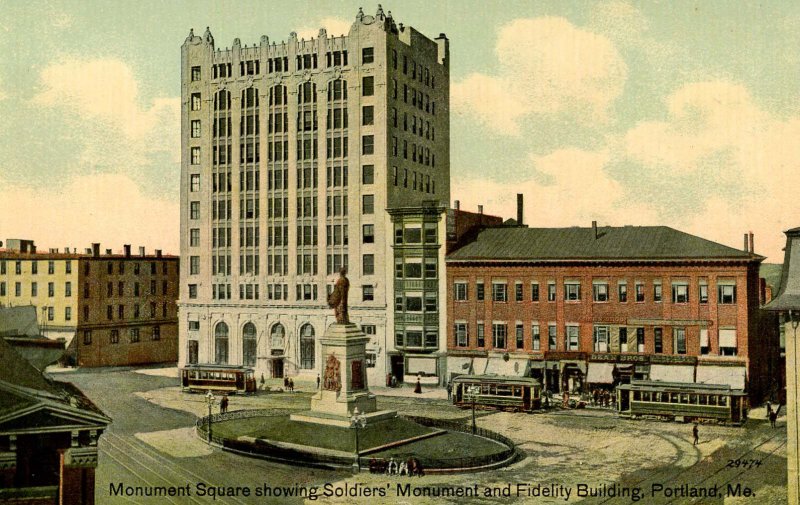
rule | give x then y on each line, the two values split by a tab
499	392
218	378
676	401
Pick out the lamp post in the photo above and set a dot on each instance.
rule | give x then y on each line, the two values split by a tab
357	421
473	392
210	402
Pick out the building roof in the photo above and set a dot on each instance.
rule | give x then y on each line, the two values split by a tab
788	298
18	321
771	273
580	244
11	254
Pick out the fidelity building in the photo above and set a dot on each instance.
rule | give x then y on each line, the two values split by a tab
300	158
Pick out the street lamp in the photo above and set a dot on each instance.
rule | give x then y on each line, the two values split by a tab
210	402
357	420
474	391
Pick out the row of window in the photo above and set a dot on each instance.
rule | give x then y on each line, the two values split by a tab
133	335
136	311
51	289
423	183
726	292
249	180
601	338
274	292
417	123
51	267
419	153
416	302
416	70
306	264
422	101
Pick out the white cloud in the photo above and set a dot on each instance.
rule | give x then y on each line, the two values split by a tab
334	26
106	208
547	66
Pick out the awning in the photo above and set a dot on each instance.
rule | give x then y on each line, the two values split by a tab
512	367
732	376
579	365
459	365
600	373
479	365
672	373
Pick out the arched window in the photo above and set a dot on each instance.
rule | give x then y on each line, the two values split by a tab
221	344
307	93
307	347
277	334
249	344
337	90
222	100
277	95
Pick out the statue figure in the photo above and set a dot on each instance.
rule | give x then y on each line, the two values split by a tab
338	299
332	381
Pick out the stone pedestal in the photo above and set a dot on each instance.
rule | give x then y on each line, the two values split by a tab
343	386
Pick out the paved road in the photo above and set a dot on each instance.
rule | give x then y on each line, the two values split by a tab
126	459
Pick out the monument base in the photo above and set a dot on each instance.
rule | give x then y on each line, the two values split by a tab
341	421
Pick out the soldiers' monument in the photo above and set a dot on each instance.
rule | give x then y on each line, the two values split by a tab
344	380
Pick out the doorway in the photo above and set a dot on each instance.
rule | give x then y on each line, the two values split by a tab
398	367
277	368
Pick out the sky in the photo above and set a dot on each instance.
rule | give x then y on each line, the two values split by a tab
684	114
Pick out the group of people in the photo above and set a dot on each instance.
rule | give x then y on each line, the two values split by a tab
223	404
603	398
409	467
288	384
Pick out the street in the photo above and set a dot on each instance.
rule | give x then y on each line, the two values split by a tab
151	443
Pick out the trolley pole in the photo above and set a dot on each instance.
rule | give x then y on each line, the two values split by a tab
210	403
473	391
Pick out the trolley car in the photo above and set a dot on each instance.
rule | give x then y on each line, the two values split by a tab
223	378
518	394
682	402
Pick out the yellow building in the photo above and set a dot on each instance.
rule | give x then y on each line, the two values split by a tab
787	302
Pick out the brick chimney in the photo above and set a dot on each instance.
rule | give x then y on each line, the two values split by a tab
127	248
95	249
519	209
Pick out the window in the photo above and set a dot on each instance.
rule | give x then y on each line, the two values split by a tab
535	337
192	291
519	336
481	340
479	291
572	291
726	293
307	347
601	337
657	291
368	204
639	339
51	289
704	346
35	267
600	291
114	337
194	237
87	337
680	292
367	293
121	312
573	333
68	289
430	302
194	210
639	286
195	101
727	342
221	343
551	291
367	86
412	235
194	185
68	266
460	329
622	292
17	289
51	267
658	339
623	340
367	144
535	292
51	313
2	289
367	55
157	333
34	289
499	292
702	294
194	265
368	234
18	267
194	325
195	128
368	115
460	291
430	268
518	291
679	335
368	264
368	174
499	334
195	159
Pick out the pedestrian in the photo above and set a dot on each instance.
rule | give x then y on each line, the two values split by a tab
565	400
223	405
773	416
595	397
402	468
391	468
449	391
769	409
286	382
394	381
696	434
318	381
263	381
291	385
418	386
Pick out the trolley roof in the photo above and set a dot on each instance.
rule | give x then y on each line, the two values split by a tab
213	367
507	379
683	387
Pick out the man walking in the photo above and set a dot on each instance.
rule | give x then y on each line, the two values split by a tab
223	404
317	381
449	390
696	434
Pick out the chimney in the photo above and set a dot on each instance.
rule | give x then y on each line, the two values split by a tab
480	209
519	209
457	204
746	247
141	250
108	252
158	253
33	247
752	248
127	250
594	228
95	249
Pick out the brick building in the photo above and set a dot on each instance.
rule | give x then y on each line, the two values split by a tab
121	306
581	308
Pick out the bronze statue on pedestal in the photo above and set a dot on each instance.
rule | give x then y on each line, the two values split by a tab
337	300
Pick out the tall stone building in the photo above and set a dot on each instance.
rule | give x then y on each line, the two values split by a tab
299	158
